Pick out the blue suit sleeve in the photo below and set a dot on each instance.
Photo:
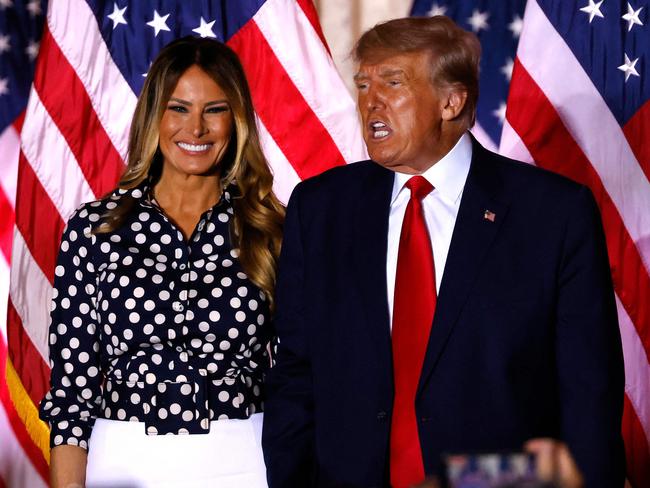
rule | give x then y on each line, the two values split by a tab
589	354
288	435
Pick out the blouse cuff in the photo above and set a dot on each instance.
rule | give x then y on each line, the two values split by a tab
71	432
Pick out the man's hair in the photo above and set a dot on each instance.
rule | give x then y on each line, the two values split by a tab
453	51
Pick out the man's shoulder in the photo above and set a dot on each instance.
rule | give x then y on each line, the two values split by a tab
521	175
347	174
342	182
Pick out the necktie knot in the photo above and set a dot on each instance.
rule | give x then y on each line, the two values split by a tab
419	187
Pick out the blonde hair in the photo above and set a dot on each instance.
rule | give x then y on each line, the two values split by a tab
258	215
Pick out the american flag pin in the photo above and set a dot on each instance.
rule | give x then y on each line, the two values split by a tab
489	215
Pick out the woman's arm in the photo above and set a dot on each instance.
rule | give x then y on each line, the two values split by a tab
68	467
70	406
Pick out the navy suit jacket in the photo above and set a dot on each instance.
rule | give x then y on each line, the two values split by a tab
524	342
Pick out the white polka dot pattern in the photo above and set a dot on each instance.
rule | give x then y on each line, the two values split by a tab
148	327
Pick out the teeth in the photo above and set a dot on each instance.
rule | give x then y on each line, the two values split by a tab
194	147
377	125
380	133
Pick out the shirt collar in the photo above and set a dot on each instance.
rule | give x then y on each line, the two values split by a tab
447	176
142	193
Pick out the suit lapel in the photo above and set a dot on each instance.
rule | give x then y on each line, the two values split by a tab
371	231
473	234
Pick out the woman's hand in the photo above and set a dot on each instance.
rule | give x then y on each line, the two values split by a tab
68	467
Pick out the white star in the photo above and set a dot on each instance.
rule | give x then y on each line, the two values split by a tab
205	29
32	50
4	43
158	23
117	16
506	69
4	86
500	113
593	9
632	17
628	68
515	26
144	75
5	4
34	8
437	10
478	20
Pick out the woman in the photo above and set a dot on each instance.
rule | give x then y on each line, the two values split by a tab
163	291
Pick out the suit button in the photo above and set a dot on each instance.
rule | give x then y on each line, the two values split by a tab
381	416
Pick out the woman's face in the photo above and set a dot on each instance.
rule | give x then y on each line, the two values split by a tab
196	125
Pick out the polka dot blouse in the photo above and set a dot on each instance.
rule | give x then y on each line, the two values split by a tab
148	327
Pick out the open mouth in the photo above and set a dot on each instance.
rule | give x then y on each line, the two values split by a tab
193	148
379	130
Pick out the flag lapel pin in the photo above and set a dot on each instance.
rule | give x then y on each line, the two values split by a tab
489	215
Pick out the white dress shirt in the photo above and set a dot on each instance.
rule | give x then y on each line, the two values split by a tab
448	178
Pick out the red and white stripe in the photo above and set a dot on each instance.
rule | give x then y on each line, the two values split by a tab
74	142
584	141
74	30
284	175
15	468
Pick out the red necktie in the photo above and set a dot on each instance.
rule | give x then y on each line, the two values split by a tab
414	305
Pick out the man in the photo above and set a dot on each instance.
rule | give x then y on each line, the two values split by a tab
466	308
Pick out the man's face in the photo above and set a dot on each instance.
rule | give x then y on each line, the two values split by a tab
401	112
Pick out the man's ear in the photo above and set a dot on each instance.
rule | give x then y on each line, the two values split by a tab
453	103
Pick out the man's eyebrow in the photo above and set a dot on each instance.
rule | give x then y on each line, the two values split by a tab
387	73
392	72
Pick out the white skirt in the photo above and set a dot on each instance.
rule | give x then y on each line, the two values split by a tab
121	455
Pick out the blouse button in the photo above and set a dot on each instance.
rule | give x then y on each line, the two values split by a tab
178	307
182	266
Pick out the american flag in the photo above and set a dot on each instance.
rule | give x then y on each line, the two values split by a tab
73	112
498	25
578	104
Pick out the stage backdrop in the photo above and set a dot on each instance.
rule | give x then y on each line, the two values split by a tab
564	85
